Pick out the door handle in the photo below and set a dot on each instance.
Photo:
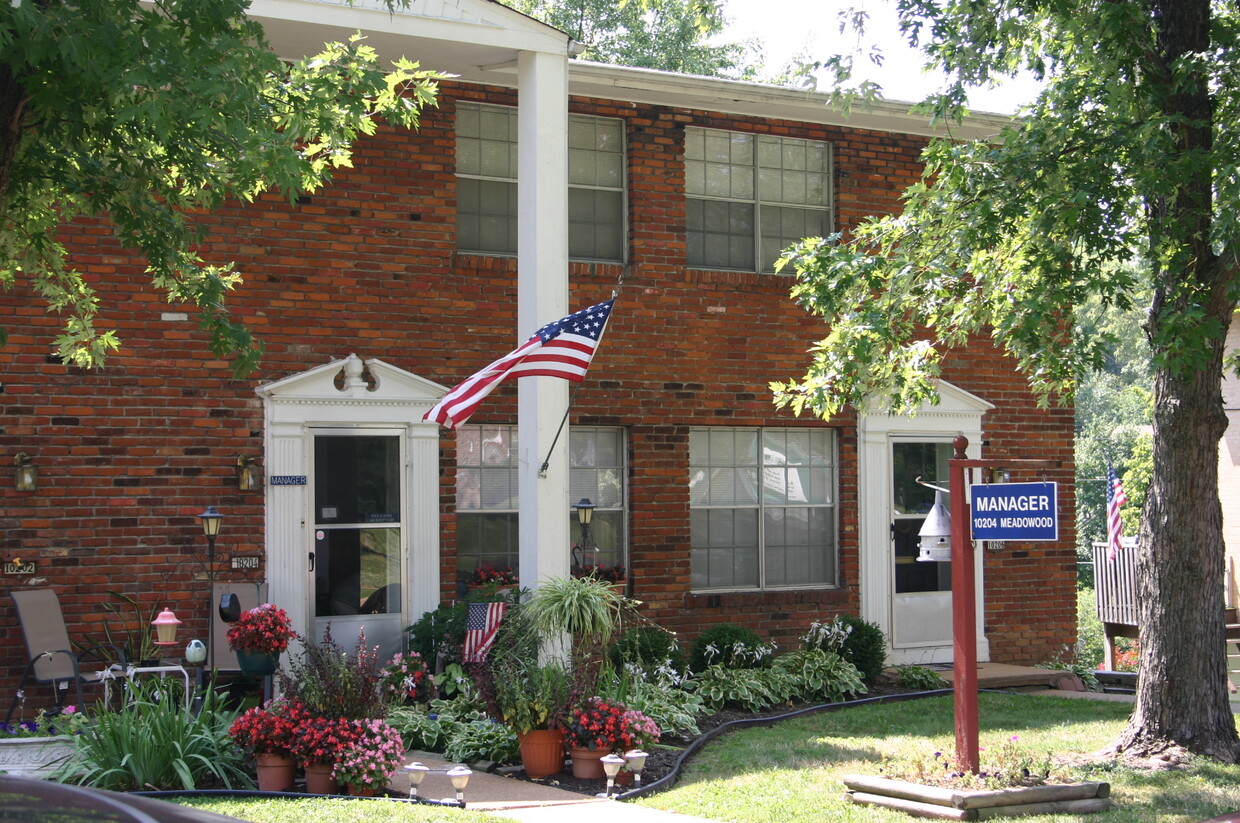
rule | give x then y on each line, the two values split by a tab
311	561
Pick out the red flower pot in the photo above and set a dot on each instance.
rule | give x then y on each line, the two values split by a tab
588	763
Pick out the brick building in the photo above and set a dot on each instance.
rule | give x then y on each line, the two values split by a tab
377	294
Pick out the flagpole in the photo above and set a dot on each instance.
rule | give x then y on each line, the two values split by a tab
542	470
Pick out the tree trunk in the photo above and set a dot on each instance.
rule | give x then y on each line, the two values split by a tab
1182	699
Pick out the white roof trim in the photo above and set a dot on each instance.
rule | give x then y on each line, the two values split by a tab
391	385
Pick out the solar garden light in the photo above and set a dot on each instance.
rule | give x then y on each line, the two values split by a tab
611	767
636	760
416	772
459	775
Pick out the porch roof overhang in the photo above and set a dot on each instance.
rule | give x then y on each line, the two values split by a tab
479	41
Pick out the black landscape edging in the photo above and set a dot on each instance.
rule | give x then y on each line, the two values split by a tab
666	781
254	793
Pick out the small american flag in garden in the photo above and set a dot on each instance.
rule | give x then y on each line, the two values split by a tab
480	626
561	349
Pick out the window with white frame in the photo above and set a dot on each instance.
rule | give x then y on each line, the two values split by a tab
486	167
487	501
762	508
749	196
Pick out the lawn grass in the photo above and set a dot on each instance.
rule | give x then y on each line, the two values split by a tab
792	771
327	810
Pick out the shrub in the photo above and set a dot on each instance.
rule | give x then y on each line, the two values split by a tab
818	675
720	687
331	683
729	646
418	728
439	632
865	648
1090	640
476	740
646	647
665	698
919	678
157	744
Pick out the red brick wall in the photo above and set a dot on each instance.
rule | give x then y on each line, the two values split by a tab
128	455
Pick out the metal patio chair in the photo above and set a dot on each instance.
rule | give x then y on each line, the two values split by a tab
48	649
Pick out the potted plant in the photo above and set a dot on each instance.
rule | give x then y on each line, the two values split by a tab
267	733
490	579
317	744
530	698
585	608
598	727
615	574
258	637
36	748
373	754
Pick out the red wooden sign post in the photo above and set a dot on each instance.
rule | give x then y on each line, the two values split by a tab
964	598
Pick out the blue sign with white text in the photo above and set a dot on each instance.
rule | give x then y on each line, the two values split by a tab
1015	511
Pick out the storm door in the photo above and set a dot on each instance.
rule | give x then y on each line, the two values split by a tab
921	598
358	555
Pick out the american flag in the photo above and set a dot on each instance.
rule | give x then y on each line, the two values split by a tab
481	624
1115	499
560	349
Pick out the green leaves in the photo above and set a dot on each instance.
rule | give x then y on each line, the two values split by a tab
151	116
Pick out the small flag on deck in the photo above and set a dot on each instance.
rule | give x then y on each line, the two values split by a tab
560	349
1115	499
481	624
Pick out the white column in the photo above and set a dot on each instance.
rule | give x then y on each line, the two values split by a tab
542	296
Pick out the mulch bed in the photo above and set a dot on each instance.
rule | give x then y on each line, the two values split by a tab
662	761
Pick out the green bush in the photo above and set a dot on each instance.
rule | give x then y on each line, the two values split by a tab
729	646
919	678
418	728
865	648
668	702
816	675
156	743
750	689
1090	645
476	740
647	647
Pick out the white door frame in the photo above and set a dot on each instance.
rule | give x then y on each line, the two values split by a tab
958	412
348	394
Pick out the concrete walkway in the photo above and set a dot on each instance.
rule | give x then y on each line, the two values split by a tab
528	801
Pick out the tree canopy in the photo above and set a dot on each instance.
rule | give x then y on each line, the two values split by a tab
150	112
671	35
1131	148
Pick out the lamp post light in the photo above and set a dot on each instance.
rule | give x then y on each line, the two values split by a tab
210	520
585	515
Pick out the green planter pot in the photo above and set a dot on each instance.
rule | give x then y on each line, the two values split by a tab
257	664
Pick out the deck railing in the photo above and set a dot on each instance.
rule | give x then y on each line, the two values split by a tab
1115	584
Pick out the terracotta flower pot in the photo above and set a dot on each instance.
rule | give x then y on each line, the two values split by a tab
275	772
359	791
319	779
542	752
588	763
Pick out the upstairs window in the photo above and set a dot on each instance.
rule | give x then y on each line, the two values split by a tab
750	196
486	167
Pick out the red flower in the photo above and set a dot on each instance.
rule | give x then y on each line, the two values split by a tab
268	729
265	629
